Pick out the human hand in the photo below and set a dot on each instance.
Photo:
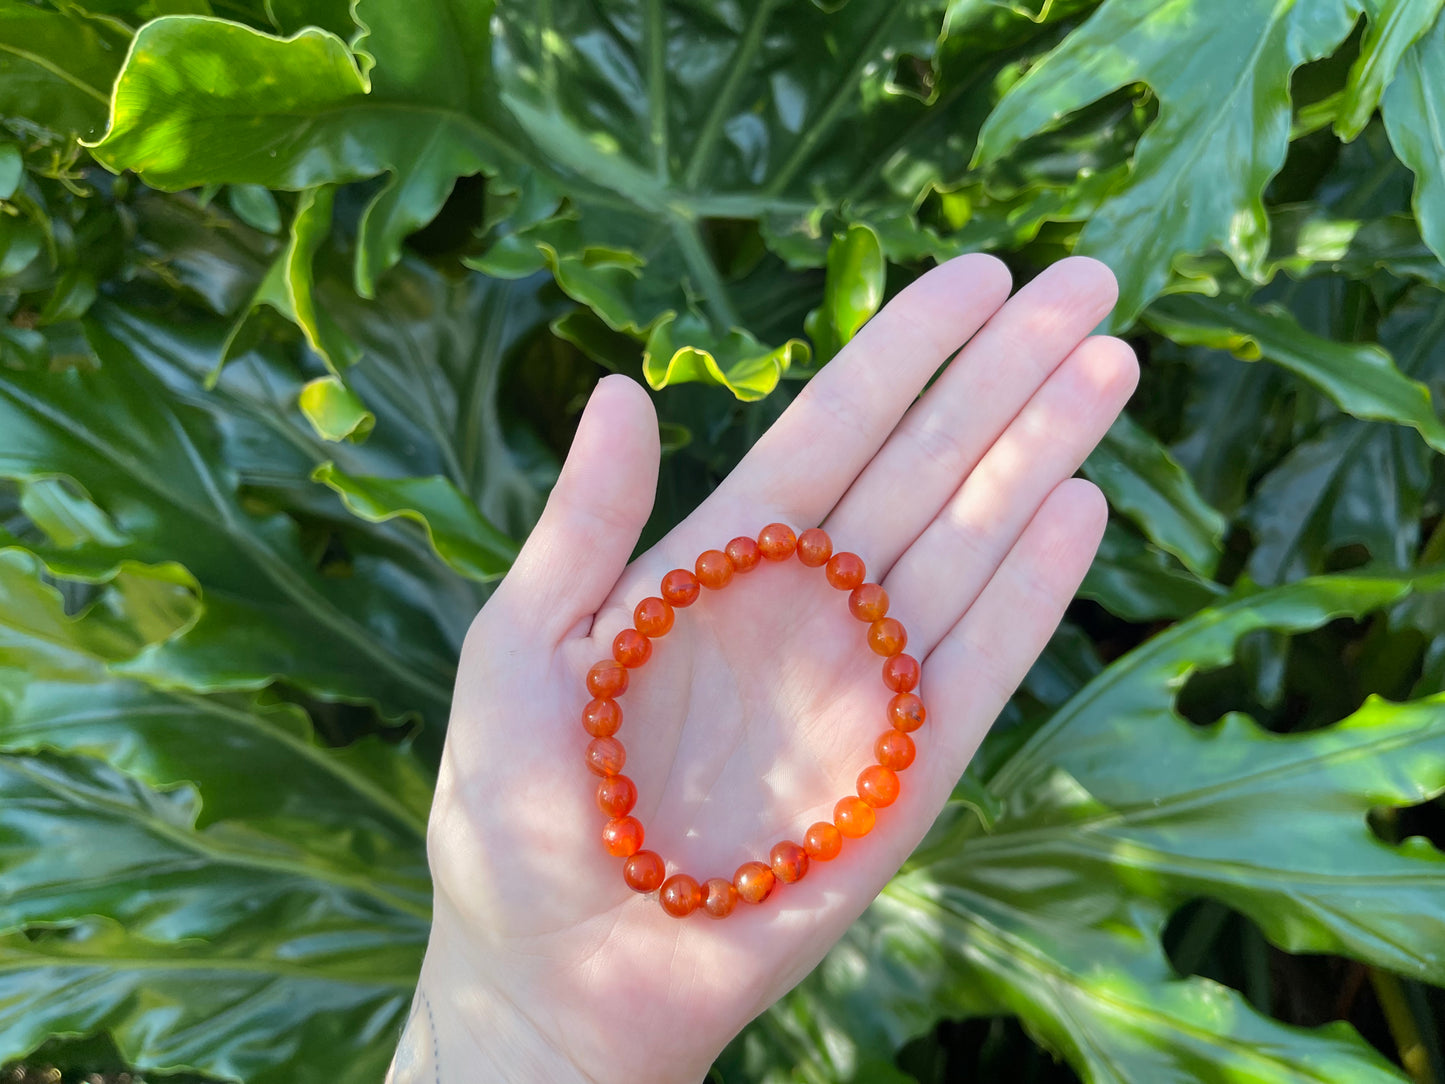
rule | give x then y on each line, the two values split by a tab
759	709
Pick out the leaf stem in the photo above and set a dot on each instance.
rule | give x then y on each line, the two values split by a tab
738	68
699	262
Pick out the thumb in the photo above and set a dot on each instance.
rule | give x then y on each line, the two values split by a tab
594	516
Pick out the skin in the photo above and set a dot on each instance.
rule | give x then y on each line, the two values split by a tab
759	709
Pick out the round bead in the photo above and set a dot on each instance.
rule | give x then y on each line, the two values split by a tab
906	712
644	871
622	837
789	861
754	882
653	617
824	841
680	587
607	678
719	897
631	648
814	547
887	636
744	554
845	570
616	794
605	756
601	718
900	673
714	570
868	602
854	817
878	786
895	750
681	895
777	541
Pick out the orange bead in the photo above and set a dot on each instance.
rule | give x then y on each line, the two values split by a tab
714	570
743	552
895	750
601	718
854	817
605	756
868	602
900	673
616	794
878	786
631	648
845	570
653	617
906	712
607	678
622	837
777	541
681	895
789	861
814	547
644	871
754	882
719	897
824	841
680	587
887	636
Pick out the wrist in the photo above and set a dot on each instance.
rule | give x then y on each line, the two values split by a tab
459	1031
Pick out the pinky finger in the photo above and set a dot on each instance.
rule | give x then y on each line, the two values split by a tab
983	658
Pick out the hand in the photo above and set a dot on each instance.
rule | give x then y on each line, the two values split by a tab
759	709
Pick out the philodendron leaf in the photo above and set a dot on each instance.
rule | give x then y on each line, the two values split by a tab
1413	119
1361	378
1140	583
1352	482
173	859
1393	29
154	463
1222	74
1113	814
456	530
737	361
852	291
56	68
202	100
334	410
1144	482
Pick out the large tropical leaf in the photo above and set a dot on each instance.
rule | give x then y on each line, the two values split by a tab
183	860
1222	76
1111	815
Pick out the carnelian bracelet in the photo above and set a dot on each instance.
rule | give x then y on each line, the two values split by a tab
853	816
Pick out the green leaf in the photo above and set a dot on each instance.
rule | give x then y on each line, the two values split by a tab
852	291
1143	481
12	169
334	410
154	464
218	865
739	362
1413	118
1393	29
1140	583
1221	73
1351	482
308	231
56	69
456	530
1361	378
295	113
256	207
1113	814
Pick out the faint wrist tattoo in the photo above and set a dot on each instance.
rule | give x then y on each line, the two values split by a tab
418	1055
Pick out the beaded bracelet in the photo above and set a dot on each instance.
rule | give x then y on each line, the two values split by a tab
853	816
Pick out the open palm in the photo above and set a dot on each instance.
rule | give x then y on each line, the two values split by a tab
759	709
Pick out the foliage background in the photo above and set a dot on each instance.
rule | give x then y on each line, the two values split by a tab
300	304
